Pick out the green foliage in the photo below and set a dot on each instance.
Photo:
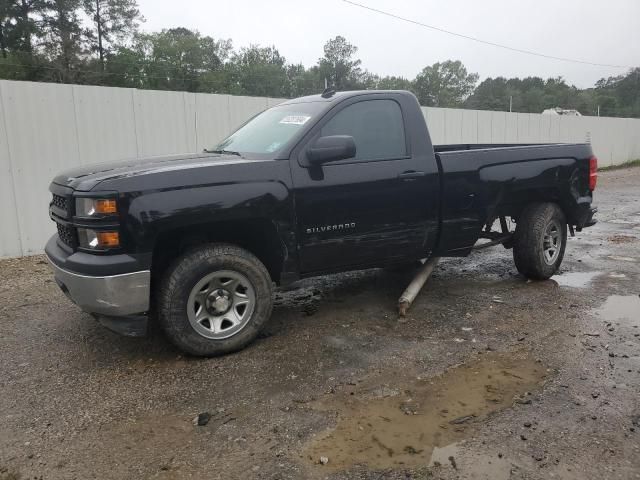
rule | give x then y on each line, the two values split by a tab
339	66
393	83
619	96
616	96
259	71
303	81
97	42
113	22
445	84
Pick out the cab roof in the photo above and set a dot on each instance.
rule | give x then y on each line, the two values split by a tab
338	96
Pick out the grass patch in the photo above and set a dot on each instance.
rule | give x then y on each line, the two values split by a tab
629	164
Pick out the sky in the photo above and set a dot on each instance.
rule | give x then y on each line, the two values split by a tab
589	30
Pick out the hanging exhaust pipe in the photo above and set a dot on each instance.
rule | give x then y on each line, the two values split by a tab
409	295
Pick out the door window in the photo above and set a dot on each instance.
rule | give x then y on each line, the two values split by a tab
376	127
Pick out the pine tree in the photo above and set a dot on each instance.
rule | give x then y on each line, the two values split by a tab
63	38
113	22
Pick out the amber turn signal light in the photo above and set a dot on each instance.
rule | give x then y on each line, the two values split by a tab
98	240
88	207
106	206
108	239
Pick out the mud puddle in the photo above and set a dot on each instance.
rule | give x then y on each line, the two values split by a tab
621	309
575	279
397	420
622	239
475	466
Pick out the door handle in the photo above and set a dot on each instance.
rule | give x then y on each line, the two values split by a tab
411	175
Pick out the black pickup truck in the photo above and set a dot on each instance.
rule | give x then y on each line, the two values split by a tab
320	184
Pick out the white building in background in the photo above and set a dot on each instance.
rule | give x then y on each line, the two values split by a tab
562	111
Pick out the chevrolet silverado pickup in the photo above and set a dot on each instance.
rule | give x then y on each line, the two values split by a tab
316	185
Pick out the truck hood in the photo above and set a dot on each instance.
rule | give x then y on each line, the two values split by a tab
88	177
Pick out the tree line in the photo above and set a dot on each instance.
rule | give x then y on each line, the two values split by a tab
99	42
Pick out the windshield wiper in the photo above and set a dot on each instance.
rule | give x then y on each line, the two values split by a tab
225	152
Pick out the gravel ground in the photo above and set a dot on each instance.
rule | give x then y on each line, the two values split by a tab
489	376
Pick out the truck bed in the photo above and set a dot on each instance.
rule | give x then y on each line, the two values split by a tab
483	181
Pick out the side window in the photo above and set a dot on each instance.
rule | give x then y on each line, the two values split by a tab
376	127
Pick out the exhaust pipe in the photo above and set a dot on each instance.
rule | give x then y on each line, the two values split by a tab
409	295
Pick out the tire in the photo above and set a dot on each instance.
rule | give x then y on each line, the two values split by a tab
214	300
540	240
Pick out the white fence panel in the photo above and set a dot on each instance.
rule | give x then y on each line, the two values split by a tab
106	124
633	134
453	126
243	108
485	121
212	119
42	133
47	128
162	125
9	234
511	127
435	118
469	126
499	127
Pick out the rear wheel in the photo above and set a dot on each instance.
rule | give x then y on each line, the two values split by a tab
214	300
540	240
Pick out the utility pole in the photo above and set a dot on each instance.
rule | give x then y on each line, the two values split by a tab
598	110
510	103
325	83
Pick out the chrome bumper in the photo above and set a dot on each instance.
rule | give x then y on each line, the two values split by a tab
115	295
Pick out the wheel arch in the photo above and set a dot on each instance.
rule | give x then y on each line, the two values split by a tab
259	236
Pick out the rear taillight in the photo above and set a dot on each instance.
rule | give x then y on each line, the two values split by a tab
593	173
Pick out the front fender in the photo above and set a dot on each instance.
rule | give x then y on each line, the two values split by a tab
151	214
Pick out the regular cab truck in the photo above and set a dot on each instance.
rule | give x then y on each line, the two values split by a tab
320	184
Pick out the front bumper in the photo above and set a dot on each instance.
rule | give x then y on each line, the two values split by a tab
112	295
112	286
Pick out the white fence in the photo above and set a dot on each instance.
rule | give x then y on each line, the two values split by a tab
46	128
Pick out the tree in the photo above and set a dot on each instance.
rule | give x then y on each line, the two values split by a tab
303	81
5	25
18	25
530	94
178	58
619	96
259	71
114	21
394	83
125	67
63	38
339	66
96	42
445	84
491	94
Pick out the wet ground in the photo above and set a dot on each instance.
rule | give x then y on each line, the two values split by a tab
488	377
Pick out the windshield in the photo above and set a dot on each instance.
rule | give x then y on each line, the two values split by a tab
271	130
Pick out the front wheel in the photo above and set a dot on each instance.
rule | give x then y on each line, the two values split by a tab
540	240
214	300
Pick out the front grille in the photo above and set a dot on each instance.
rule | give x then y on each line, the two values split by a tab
60	202
67	235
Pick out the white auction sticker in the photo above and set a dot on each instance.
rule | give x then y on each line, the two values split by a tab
295	119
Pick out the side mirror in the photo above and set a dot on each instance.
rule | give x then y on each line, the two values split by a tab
331	148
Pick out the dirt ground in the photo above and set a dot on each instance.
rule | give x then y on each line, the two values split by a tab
489	377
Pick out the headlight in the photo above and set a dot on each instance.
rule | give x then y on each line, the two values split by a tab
89	207
98	240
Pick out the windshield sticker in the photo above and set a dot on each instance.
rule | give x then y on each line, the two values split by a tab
295	119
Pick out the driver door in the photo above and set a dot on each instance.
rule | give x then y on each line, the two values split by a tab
366	210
